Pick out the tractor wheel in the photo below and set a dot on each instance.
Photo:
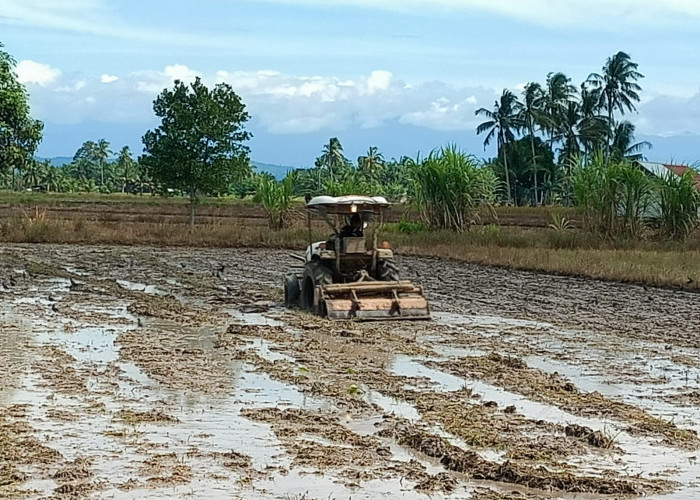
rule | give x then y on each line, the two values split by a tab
292	291
387	270
315	274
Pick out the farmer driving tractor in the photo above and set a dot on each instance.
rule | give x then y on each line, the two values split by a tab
354	229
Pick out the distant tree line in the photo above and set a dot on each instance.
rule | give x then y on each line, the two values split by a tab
558	117
556	143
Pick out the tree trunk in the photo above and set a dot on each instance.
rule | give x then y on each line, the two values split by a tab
611	124
193	201
505	163
534	162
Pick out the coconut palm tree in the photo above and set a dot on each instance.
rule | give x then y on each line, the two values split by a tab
623	145
371	163
100	153
617	85
33	172
126	168
332	157
558	92
530	115
502	122
53	179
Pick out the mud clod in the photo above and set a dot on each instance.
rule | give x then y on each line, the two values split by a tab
594	438
143	417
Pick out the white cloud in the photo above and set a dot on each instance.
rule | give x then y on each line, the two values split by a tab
152	82
378	80
34	72
180	72
108	78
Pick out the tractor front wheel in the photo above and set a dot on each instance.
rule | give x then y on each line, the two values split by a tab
292	290
315	274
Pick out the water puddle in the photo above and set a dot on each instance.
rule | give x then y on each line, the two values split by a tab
253	318
390	405
267	350
139	287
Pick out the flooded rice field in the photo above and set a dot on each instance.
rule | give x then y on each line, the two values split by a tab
171	373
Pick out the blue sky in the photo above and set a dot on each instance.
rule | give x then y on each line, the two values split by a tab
403	75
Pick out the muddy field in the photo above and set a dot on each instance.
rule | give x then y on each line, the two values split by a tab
169	373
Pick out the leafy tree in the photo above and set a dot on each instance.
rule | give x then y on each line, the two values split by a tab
84	162
86	151
502	122
81	169
523	173
198	146
20	134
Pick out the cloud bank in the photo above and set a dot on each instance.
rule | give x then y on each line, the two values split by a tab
282	103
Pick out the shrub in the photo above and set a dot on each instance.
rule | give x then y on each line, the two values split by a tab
276	199
678	205
614	196
450	189
410	227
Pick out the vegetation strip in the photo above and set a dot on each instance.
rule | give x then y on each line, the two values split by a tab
470	463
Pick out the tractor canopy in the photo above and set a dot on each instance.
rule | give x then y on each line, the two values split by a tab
347	205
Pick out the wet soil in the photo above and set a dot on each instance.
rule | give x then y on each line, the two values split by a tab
159	373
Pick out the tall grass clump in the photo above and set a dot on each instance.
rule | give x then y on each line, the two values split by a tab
276	198
614	196
450	189
678	204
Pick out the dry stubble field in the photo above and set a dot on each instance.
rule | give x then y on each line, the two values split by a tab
175	372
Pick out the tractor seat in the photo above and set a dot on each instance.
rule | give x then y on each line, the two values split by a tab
353	245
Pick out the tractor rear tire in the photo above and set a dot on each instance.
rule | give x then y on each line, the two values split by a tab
292	290
387	270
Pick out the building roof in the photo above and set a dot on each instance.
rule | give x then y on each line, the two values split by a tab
660	169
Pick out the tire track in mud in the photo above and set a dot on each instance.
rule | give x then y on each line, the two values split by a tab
350	366
479	426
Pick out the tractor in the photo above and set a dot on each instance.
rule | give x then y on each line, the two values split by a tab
343	278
